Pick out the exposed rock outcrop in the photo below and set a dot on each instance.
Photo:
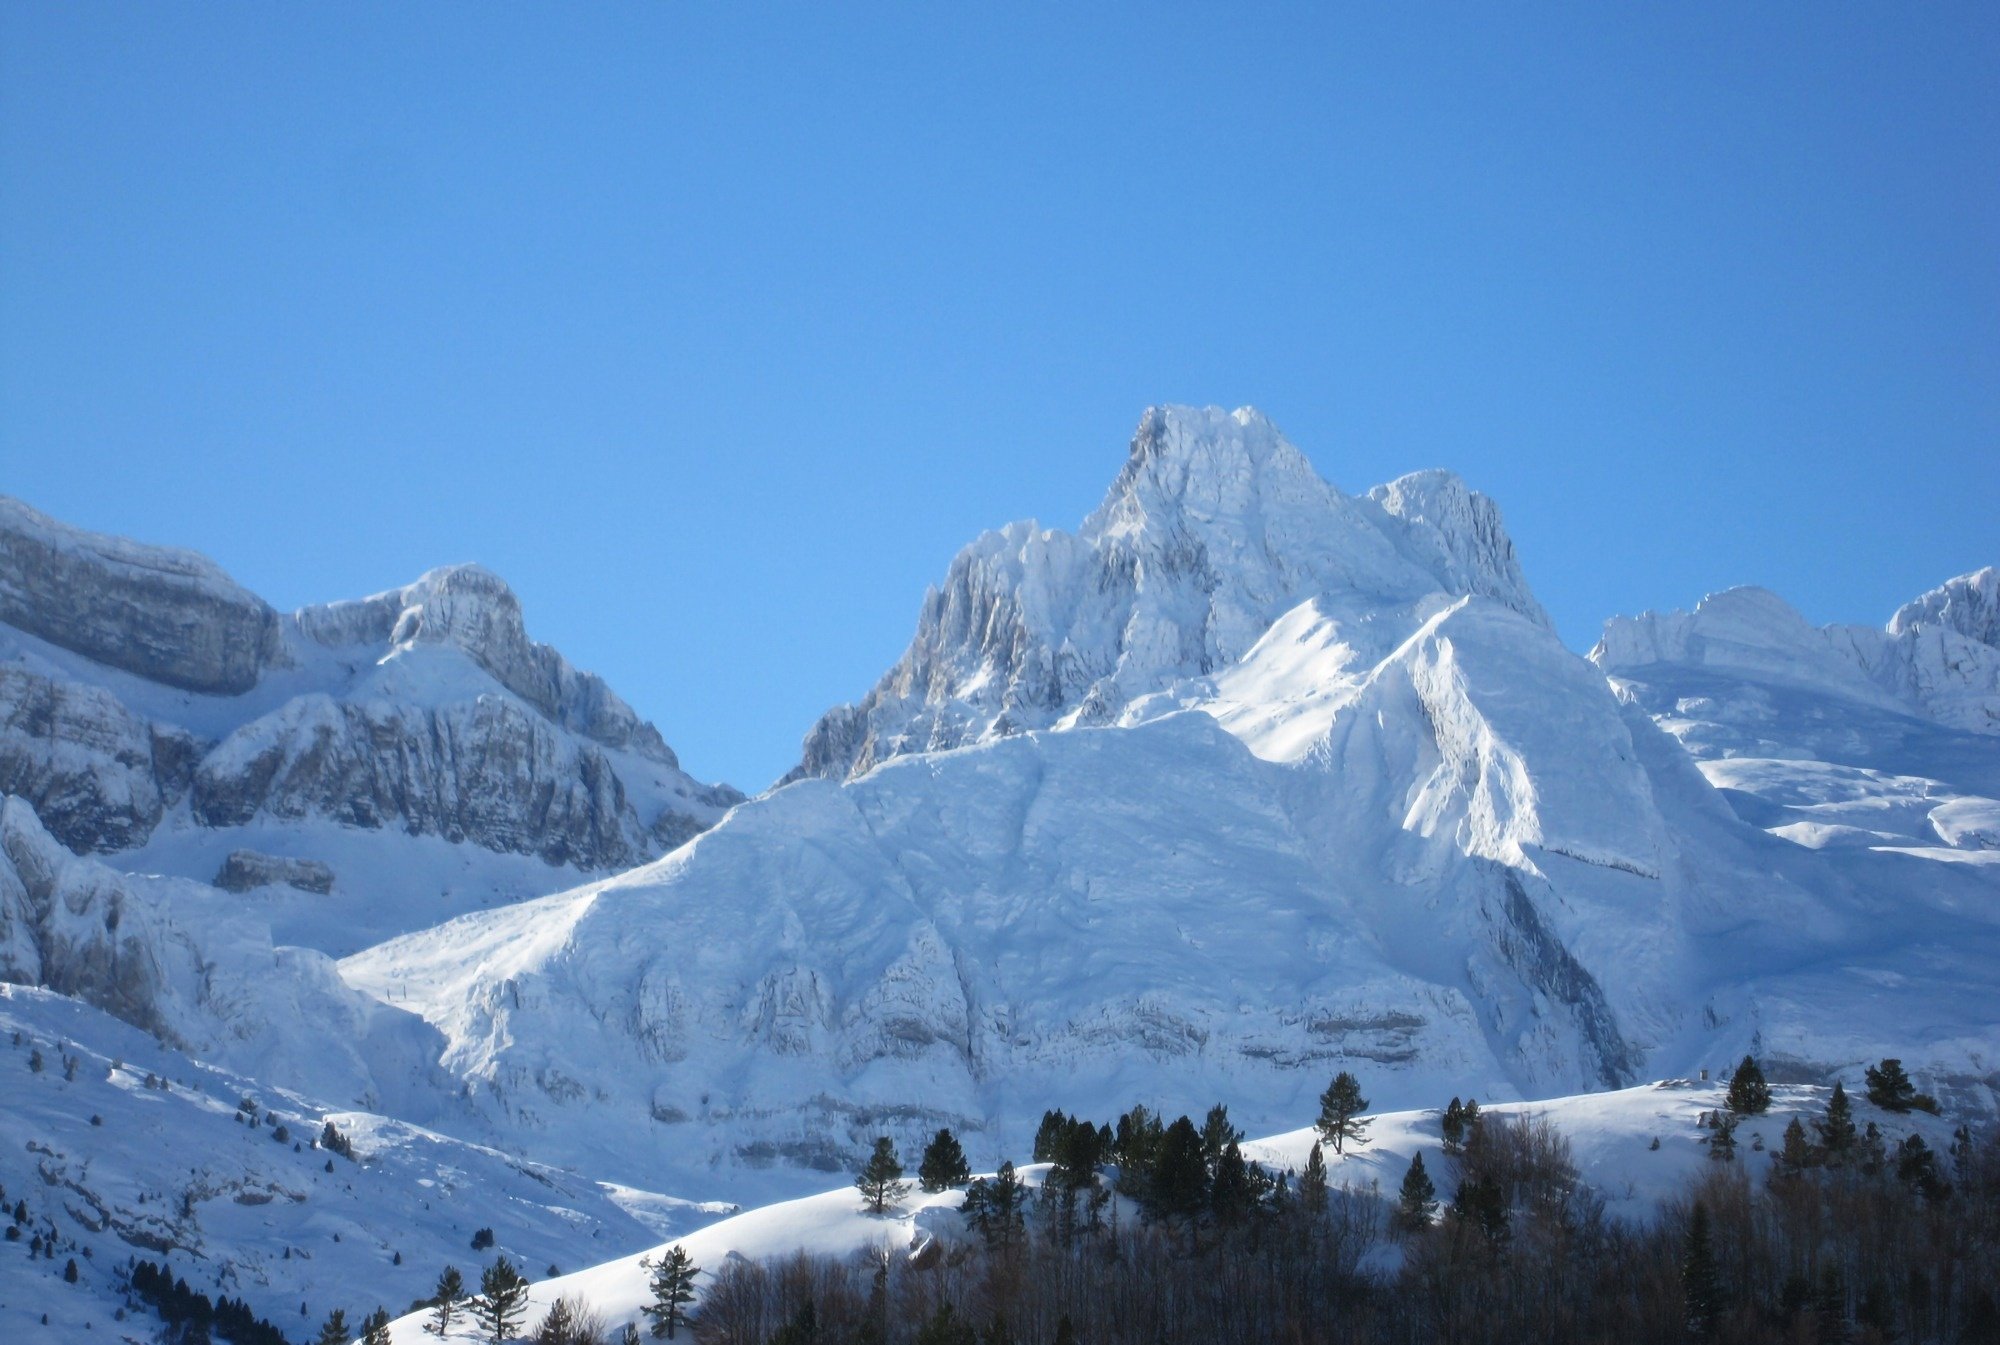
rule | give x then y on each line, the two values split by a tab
166	615
245	870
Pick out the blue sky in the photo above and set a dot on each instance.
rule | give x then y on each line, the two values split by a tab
718	329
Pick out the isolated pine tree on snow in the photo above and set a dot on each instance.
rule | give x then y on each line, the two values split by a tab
1890	1088
881	1179
1340	1108
1722	1144
1701	1285
1836	1129
333	1331
1749	1095
1418	1201
672	1287
503	1298
1452	1127
944	1164
445	1300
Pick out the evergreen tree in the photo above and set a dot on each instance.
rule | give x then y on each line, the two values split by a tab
1312	1185
333	1331
1453	1128
1701	1284
1749	1095
445	1300
1481	1203
1340	1108
70	1272
944	1164
375	1330
1180	1177
1798	1152
1890	1088
672	1287
997	1209
503	1298
1418	1201
1232	1192
1917	1165
1722	1144
1837	1134
1075	1149
1045	1135
881	1179
1217	1134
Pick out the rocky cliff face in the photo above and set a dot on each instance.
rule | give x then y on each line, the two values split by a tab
1215	528
169	616
142	691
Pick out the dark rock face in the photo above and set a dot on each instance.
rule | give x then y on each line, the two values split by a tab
245	870
98	775
169	616
488	771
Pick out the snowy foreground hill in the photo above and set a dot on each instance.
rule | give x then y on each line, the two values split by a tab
1246	781
1634	1148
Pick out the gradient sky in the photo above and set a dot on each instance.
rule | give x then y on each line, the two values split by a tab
717	329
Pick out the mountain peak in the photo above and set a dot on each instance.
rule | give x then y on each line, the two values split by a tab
1215	527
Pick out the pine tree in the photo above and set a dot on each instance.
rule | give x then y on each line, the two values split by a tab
944	1164
881	1179
445	1300
1340	1108
1836	1129
1749	1095
1232	1191
1418	1201
1312	1186
1701	1285
1917	1165
1217	1134
1722	1144
1889	1088
1797	1153
1180	1176
1453	1128
1007	1208
375	1330
672	1287
333	1331
70	1275
503	1297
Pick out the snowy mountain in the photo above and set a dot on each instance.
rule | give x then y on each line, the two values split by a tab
415	744
1247	779
1843	736
1216	527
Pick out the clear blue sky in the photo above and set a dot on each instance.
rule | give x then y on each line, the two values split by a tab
717	329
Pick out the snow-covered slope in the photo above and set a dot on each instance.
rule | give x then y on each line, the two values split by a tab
152	709
1842	737
1216	527
1408	828
1611	1136
141	1151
